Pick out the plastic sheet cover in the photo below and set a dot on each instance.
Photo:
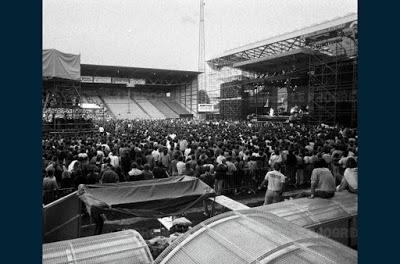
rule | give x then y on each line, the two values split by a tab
121	247
57	64
252	236
149	198
312	212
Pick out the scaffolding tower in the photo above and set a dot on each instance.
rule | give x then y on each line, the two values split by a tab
319	61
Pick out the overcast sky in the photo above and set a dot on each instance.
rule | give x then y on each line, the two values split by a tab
164	33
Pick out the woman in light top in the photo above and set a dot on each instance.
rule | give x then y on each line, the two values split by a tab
350	177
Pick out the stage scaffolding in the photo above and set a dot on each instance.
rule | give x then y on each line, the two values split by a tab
62	111
333	88
318	64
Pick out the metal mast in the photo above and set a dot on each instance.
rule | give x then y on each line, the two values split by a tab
201	61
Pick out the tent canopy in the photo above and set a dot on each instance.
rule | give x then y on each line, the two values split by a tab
149	198
57	64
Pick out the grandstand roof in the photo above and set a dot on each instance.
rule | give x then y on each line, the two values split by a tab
152	76
292	57
280	43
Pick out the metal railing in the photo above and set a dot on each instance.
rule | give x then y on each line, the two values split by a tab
50	196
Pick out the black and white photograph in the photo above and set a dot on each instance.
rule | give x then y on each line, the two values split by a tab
199	131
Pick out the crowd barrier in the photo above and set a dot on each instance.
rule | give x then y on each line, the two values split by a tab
50	196
61	219
250	180
244	180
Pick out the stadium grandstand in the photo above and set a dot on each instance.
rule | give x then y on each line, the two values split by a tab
101	93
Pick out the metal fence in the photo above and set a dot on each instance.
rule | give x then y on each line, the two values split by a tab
51	196
62	219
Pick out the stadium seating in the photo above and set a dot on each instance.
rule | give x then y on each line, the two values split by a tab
141	105
164	108
148	107
176	107
124	108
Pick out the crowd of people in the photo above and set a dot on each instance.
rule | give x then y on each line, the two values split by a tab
230	156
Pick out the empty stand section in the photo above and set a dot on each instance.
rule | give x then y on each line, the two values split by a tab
132	103
124	107
176	107
164	108
148	107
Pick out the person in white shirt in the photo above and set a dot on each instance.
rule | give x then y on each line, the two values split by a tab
322	181
276	182
187	152
156	155
220	158
350	177
275	158
135	174
114	160
180	166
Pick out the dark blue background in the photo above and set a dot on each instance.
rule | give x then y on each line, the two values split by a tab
20	100
378	90
379	104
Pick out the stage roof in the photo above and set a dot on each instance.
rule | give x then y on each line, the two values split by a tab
152	76
281	43
296	57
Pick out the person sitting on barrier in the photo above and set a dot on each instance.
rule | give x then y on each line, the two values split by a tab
350	179
96	209
322	181
276	184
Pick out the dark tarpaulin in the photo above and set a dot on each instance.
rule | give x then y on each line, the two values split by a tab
150	198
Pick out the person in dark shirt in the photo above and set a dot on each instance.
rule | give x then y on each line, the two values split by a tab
91	177
77	175
147	174
209	179
159	172
66	181
108	175
188	171
173	169
291	166
220	176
